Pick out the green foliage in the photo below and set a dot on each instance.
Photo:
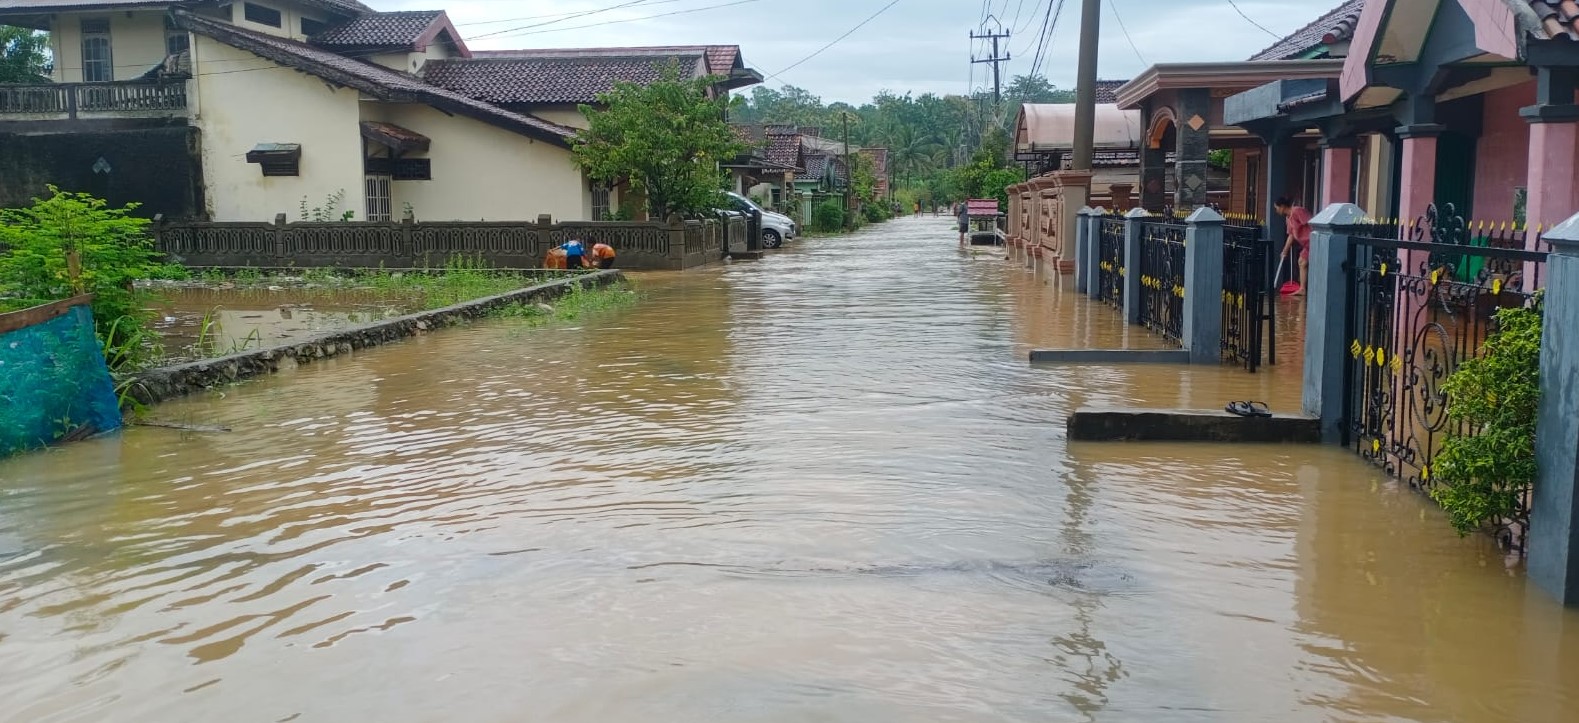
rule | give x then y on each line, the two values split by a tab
72	243
1481	476
329	210
667	137
827	217
982	179
578	303
24	55
1221	158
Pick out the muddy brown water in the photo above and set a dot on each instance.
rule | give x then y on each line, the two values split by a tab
198	322
825	486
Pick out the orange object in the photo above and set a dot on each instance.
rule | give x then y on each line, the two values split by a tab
602	251
555	259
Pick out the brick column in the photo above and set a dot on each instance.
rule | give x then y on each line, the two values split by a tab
1417	185
1554	144
1326	348
1337	171
1553	541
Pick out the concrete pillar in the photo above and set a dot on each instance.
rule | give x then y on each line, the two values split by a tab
1554	510
1337	171
1092	262
1417	185
1203	286
1194	108
1121	196
1130	268
1326	348
1084	243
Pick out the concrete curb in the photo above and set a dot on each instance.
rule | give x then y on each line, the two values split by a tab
165	383
1189	425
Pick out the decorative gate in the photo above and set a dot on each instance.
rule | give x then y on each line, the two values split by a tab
1162	279
1417	309
1110	261
1247	330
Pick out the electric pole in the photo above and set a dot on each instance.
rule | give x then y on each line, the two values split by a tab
1086	85
997	86
849	174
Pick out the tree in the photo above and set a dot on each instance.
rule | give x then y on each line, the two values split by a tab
668	138
1034	89
24	55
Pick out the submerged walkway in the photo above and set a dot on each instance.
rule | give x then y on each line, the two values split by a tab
822	486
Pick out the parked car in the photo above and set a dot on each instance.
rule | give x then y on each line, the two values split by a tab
776	227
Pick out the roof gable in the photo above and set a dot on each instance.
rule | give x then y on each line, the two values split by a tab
409	30
1334	27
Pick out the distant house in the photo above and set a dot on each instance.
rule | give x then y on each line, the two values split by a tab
245	110
879	158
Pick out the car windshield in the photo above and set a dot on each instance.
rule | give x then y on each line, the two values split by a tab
744	203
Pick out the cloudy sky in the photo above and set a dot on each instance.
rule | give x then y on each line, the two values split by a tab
915	45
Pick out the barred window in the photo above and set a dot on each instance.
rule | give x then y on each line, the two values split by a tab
98	66
378	198
600	203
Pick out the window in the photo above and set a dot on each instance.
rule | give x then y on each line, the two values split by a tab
97	64
261	15
175	39
600	203
311	27
378	198
413	169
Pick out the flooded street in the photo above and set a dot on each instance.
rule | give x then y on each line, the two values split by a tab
825	486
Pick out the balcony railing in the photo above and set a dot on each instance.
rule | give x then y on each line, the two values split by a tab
107	99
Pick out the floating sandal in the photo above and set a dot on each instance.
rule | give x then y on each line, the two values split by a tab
1248	409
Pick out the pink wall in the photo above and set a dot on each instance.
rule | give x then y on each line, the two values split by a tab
1502	156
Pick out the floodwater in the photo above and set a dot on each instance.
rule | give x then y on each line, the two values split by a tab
825	486
200	322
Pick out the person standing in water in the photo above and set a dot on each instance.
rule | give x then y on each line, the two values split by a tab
964	221
1298	234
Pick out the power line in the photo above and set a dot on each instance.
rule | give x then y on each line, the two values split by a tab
835	41
1056	13
1242	14
512	32
573	13
1120	18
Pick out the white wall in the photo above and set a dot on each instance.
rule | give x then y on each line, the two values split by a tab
565	116
483	172
244	100
136	43
290	18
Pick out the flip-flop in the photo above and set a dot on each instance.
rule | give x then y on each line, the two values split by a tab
1248	409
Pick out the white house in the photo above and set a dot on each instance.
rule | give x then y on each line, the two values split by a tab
239	111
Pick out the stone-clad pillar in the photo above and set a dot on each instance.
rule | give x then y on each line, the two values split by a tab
1130	267
1194	133
1203	287
1326	349
1553	541
1153	166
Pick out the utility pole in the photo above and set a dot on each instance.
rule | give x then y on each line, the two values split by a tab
997	86
849	174
1086	85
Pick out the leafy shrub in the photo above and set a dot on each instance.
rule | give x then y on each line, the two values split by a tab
72	243
1482	476
827	217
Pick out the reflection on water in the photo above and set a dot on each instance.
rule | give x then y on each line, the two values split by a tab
824	486
223	320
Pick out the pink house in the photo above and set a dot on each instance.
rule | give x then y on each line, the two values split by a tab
1468	102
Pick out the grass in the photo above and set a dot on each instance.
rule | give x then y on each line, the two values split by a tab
579	303
460	279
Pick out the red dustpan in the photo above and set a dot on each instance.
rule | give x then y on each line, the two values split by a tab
1289	287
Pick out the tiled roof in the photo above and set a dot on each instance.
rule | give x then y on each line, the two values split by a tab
1559	18
721	59
1107	90
816	166
8	7
559	79
373	30
1334	27
375	80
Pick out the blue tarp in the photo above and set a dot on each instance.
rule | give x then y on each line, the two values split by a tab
54	383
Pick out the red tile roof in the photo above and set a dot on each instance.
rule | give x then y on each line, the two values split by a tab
1334	27
721	59
375	80
1559	18
558	79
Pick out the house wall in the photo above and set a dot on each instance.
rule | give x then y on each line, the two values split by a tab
563	115
1502	157
290	18
136	43
411	62
482	172
245	100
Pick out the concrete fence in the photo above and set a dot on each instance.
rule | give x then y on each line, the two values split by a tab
673	245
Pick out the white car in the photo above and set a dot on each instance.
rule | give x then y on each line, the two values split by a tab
776	227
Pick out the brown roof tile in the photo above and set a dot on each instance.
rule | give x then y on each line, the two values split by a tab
371	30
1334	27
1559	18
721	59
557	79
1107	90
375	80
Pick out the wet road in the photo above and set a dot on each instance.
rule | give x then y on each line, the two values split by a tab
821	487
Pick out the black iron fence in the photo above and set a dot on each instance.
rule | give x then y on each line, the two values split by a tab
1162	278
1248	331
1417	309
1110	261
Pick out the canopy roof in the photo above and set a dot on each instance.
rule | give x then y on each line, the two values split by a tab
1051	127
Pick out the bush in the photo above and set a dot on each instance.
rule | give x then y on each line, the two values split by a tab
1482	477
828	217
71	244
876	212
